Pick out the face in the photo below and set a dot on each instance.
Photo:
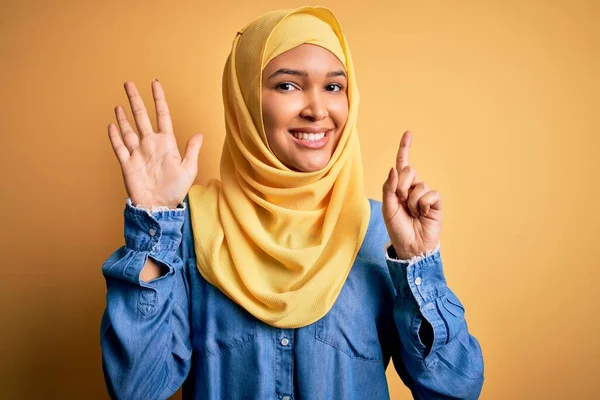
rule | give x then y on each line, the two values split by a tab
305	106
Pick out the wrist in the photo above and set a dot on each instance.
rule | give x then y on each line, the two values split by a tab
403	253
405	256
400	253
153	206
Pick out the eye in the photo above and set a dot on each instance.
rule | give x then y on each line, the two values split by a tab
285	86
333	86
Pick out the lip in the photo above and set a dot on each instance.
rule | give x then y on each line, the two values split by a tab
312	144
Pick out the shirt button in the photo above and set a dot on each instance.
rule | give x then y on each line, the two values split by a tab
151	231
285	398
418	280
285	342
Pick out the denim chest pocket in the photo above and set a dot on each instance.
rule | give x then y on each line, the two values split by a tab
218	323
350	325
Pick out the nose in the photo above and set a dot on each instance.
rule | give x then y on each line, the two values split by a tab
316	106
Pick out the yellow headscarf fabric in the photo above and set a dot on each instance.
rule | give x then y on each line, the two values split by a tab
279	242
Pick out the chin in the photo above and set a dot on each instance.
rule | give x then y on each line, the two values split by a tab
311	167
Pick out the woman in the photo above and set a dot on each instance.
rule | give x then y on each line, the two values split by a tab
279	281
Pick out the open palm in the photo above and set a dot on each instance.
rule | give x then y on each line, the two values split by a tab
153	170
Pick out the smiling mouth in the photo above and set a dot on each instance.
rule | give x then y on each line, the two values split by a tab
310	140
311	137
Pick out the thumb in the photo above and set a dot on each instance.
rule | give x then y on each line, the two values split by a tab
192	149
389	188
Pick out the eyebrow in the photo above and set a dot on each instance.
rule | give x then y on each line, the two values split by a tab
288	71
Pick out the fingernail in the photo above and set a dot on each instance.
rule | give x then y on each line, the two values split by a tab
155	80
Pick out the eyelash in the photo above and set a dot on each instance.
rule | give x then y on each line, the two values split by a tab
278	87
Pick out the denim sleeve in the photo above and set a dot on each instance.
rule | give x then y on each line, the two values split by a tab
145	331
443	360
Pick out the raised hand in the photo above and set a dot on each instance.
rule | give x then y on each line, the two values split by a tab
153	171
411	210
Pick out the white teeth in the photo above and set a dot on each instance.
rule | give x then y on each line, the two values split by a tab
308	136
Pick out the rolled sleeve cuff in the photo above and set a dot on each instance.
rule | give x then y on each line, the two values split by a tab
421	277
156	230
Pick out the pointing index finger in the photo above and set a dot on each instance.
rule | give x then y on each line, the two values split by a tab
402	157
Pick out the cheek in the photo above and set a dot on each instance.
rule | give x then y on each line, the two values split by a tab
276	120
280	111
339	113
269	115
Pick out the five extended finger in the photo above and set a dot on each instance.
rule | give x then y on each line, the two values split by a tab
117	144
192	149
138	109
130	138
163	115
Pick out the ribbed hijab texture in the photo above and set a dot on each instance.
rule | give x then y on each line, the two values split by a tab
280	243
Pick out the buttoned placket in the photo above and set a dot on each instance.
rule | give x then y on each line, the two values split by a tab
284	364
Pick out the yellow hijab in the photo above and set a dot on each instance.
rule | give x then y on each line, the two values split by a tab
279	242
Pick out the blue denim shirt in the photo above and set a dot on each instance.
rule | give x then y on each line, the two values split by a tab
180	330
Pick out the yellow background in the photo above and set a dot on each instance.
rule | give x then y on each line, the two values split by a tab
502	97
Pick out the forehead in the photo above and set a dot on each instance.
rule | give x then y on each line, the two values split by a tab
307	57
